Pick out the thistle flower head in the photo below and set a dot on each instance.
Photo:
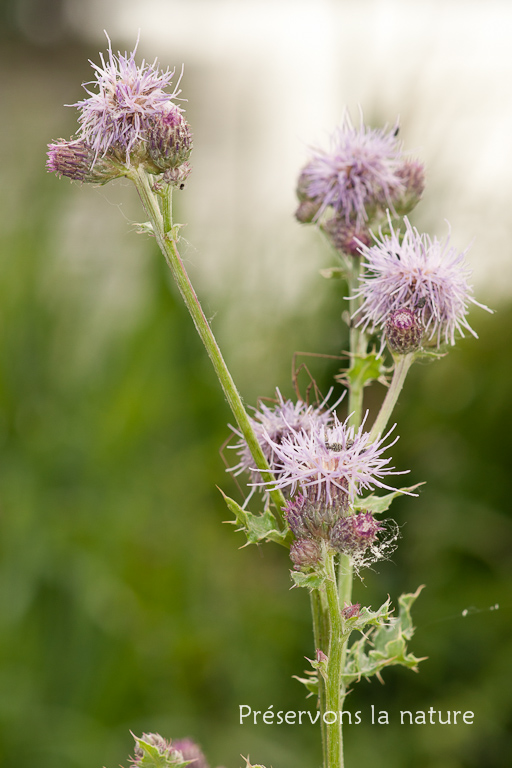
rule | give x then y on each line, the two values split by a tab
191	751
425	275
128	96
360	173
272	425
403	331
75	159
331	463
314	518
153	751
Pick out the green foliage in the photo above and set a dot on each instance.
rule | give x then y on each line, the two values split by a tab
365	369
385	645
309	580
378	504
257	528
151	756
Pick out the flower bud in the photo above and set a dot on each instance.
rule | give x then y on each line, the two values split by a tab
76	160
169	140
307	211
355	533
308	206
404	331
305	552
346	238
412	173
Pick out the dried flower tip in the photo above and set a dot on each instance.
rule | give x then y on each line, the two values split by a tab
305	553
169	139
346	238
355	533
75	159
350	611
403	331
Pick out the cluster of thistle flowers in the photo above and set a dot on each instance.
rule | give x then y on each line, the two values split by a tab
413	289
352	186
153	751
128	121
322	465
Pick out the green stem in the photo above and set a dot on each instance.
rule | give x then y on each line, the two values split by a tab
402	365
337	642
166	236
357	348
345	580
321	640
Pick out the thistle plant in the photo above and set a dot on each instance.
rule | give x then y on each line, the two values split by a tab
318	477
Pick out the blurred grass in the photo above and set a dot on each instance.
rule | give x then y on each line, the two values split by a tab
125	603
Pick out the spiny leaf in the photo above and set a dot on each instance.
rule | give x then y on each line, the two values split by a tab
257	527
309	580
378	504
389	644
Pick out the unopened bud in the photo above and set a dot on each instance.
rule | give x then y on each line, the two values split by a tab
305	552
350	611
346	238
308	206
404	331
169	140
412	174
78	161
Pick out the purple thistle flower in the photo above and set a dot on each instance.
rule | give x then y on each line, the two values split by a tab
315	518
191	751
273	424
426	275
331	463
362	172
117	115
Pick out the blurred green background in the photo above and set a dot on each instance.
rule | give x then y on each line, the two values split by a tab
125	603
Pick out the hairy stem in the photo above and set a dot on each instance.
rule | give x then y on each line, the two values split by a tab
358	344
167	237
321	639
333	697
